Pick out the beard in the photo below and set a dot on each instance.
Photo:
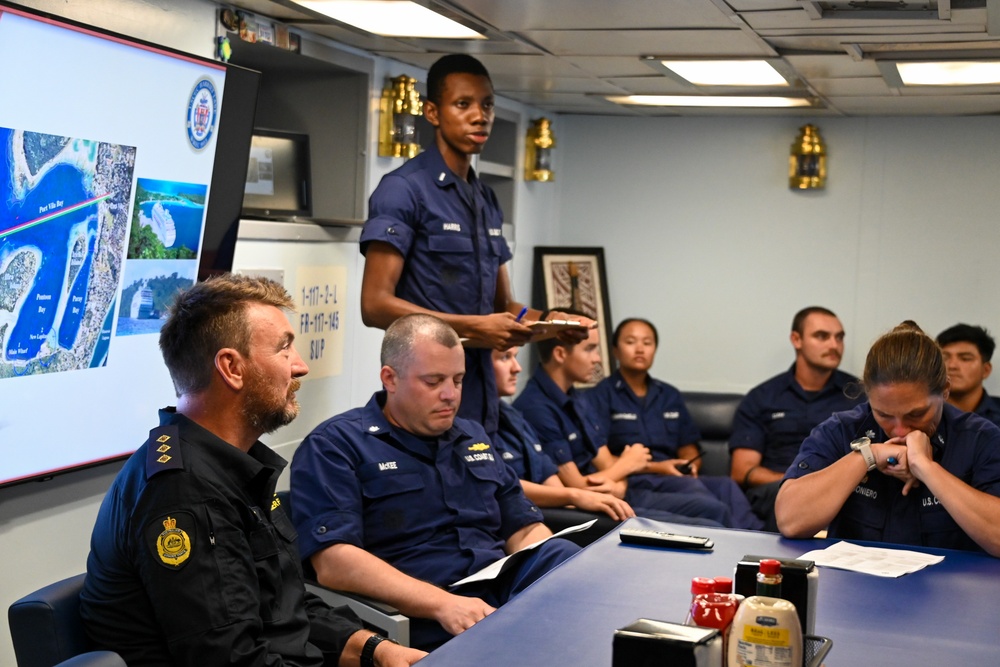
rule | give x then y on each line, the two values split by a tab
263	408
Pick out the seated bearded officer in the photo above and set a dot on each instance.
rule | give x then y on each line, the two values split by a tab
400	499
192	560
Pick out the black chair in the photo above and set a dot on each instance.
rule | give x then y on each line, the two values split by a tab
47	630
713	413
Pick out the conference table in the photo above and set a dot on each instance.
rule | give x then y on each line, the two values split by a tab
946	614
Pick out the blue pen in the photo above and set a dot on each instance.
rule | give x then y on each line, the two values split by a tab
524	311
892	460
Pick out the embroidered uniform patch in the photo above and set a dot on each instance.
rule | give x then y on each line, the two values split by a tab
170	539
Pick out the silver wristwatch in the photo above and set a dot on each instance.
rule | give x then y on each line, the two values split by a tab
863	446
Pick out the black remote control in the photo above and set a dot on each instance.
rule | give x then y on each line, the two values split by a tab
656	538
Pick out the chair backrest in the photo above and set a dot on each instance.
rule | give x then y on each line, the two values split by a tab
47	630
713	413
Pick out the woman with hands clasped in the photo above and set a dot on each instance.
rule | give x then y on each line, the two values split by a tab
905	467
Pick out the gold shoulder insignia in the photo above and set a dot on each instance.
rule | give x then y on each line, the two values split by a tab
173	545
275	503
479	447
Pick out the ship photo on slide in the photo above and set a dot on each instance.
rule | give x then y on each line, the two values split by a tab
167	219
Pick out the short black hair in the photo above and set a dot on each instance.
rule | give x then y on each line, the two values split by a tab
969	333
453	63
799	321
630	320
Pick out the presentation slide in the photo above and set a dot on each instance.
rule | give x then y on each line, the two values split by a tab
107	148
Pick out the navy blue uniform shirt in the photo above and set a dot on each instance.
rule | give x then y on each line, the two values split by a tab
451	237
989	408
659	420
568	427
521	449
965	444
193	561
776	416
437	509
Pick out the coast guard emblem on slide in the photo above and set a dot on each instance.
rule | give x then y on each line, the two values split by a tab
173	545
201	114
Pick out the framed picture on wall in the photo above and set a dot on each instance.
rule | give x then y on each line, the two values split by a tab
575	279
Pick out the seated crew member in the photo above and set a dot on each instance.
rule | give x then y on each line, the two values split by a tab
905	467
400	499
637	408
967	353
520	448
777	415
193	561
572	437
433	242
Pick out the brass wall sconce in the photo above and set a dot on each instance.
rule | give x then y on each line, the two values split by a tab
807	162
538	155
398	112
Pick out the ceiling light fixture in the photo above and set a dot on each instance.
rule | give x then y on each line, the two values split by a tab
949	73
392	18
726	72
710	101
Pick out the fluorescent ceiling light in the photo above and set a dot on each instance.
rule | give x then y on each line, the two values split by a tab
726	72
393	18
954	73
710	101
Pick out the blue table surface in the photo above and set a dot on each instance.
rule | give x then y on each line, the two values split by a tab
946	614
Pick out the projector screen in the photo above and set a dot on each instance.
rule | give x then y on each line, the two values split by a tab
106	189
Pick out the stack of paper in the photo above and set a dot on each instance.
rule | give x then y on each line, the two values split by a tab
871	560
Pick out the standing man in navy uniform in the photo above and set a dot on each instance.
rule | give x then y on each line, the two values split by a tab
192	560
434	244
967	352
400	499
776	416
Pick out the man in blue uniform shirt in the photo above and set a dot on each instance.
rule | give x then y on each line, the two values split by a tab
433	242
968	351
400	499
776	416
193	561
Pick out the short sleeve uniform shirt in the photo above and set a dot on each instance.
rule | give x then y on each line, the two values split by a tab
965	444
437	509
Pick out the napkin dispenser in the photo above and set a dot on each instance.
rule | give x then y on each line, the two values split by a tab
649	643
799	585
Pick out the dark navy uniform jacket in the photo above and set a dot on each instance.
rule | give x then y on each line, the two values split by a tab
660	420
776	416
193	562
451	235
989	408
551	413
437	509
965	444
521	449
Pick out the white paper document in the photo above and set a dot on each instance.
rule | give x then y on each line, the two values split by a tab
871	560
493	570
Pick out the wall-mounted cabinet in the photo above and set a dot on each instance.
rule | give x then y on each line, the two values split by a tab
323	93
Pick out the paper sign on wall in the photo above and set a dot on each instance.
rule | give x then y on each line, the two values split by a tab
319	294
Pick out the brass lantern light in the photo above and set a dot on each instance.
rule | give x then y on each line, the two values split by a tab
398	112
807	162
538	153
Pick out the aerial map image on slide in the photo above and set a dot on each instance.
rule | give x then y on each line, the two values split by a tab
64	206
166	220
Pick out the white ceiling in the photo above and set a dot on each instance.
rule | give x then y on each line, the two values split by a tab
565	55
